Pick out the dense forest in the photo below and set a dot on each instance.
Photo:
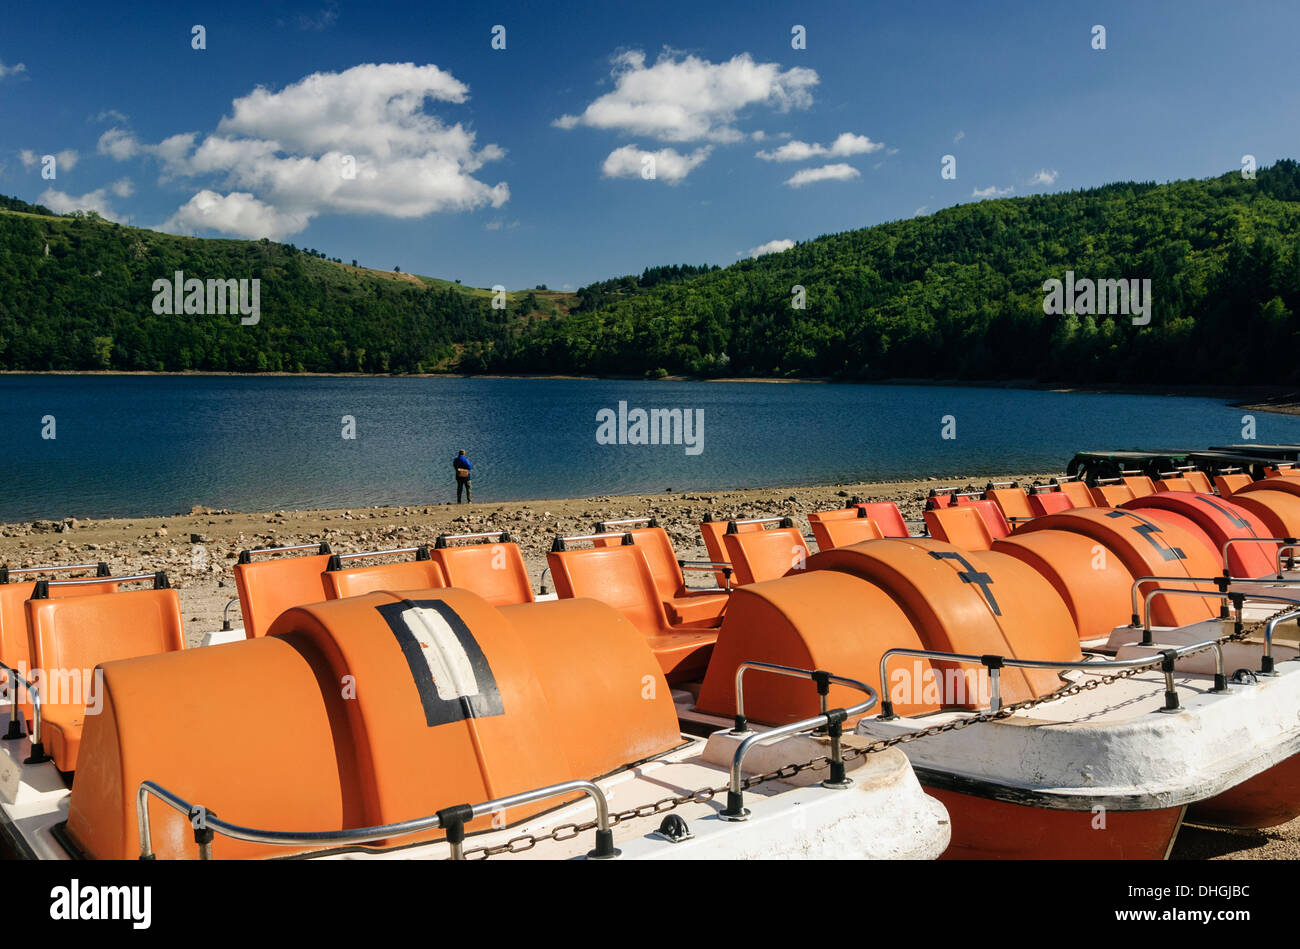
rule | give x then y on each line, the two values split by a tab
956	294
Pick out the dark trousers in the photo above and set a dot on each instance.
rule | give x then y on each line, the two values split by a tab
463	484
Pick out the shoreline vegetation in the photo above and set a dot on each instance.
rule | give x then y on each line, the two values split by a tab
1283	400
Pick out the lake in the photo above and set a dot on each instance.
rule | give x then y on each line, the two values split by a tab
139	445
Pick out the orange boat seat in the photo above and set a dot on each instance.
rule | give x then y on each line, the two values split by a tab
683	606
1013	502
1111	495
887	515
267	588
495	571
993	519
960	526
14	636
543	693
1140	485
620	577
712	531
843	533
1229	484
1199	481
416	574
1165	485
938	500
71	635
1076	491
765	555
1051	502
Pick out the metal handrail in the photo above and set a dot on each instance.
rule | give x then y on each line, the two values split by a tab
712	566
995	663
757	520
453	819
133	578
651	521
15	730
1266	661
1238	601
832	719
1169	591
441	540
246	555
225	613
280	550
1136	620
57	568
591	537
379	553
819	677
1286	543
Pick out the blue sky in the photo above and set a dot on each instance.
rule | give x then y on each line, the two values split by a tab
467	167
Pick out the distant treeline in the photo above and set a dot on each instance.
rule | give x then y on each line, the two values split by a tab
957	294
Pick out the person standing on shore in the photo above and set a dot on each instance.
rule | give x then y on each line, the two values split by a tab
462	467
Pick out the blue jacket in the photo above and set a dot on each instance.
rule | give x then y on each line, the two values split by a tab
461	462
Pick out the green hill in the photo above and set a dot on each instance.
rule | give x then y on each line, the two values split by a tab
957	294
76	293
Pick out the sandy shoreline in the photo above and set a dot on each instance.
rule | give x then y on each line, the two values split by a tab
198	551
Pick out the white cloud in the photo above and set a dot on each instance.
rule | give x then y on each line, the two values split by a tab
669	165
958	137
771	247
122	188
60	202
110	115
239	213
843	146
282	156
836	172
118	143
11	70
1044	177
65	160
921	210
992	191
691	99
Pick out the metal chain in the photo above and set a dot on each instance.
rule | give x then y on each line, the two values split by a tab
525	842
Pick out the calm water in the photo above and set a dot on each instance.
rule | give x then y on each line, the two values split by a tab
157	445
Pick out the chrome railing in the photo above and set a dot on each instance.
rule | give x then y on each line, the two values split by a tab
452	819
441	540
15	722
994	664
830	719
